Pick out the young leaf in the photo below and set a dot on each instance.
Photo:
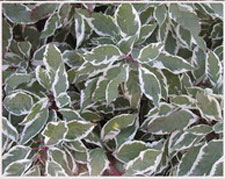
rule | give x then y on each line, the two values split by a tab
43	77
150	85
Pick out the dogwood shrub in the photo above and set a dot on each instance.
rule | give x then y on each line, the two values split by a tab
112	89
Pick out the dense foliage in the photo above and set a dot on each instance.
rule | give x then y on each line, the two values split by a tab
112	89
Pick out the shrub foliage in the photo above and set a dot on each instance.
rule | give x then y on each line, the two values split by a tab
112	89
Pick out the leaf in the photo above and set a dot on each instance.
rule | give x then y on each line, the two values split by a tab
18	13
101	84
150	85
129	150
21	14
173	82
51	25
218	127
184	15
126	44
16	79
184	35
127	19
147	161
200	129
171	43
178	120
77	146
72	58
86	94
208	106
33	127
150	52
206	158
134	89
127	134
52	58
17	152
25	48
146	31
54	169
163	109
70	115
62	100
217	168
9	130
103	54
55	132
7	34
160	14
186	141
91	116
174	64
79	29
97	162
43	77
102	24
78	130
162	80
111	90
213	68
184	101
17	168
60	84
35	110
114	125
18	103
60	162
34	171
187	161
